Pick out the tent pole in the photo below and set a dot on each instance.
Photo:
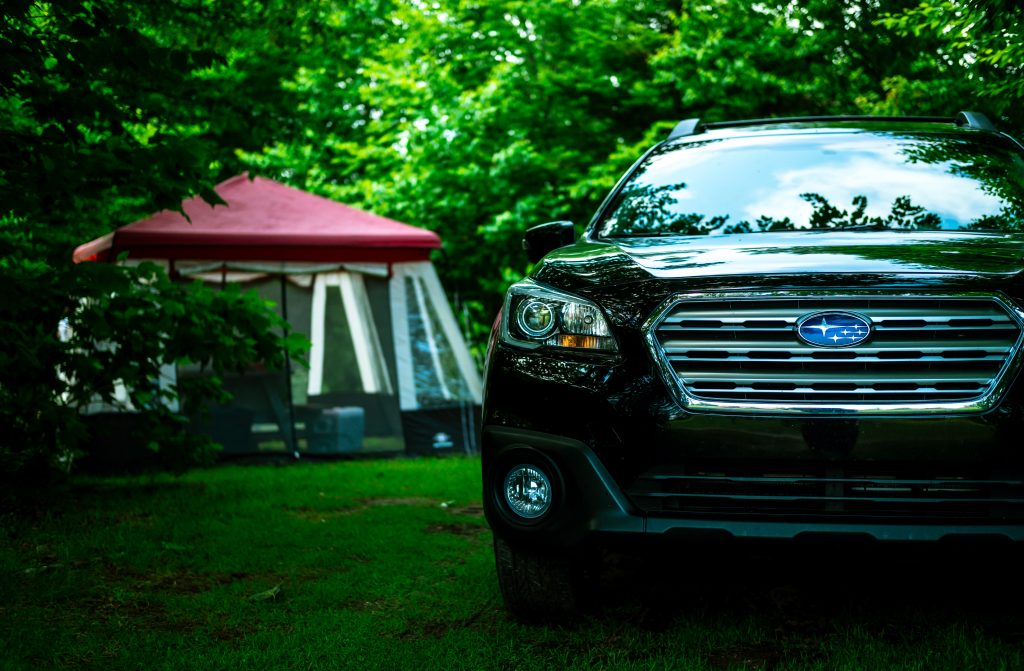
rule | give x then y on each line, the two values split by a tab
288	371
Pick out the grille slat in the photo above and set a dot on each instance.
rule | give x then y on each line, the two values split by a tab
921	349
861	359
879	312
756	346
802	377
880	326
755	498
839	392
958	483
808	491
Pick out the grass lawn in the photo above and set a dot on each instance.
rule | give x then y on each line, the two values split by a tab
387	564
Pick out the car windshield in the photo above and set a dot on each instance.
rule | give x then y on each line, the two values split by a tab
847	180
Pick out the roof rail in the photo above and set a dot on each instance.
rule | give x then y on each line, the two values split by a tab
842	117
695	126
974	120
686	127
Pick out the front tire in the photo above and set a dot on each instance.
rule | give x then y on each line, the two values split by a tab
540	585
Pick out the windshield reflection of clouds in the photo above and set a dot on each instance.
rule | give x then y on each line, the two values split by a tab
823	181
954	200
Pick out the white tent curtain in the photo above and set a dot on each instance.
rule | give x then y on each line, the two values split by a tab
431	338
365	339
451	329
435	368
372	367
317	337
400	334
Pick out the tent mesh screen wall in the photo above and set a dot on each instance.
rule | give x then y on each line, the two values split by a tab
388	370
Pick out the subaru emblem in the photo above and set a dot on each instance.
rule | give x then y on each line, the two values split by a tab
833	329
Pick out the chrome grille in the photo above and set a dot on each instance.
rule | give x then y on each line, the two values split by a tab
945	352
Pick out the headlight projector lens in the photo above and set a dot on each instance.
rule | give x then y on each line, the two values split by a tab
536	318
527	491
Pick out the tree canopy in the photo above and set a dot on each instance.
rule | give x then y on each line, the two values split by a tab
474	119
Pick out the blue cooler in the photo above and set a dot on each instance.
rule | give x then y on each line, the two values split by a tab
336	431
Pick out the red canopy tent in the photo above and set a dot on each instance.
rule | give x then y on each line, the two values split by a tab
360	286
265	221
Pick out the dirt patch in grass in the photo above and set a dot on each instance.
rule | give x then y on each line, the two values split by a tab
457	529
135	519
754	656
401	501
381	605
317	514
311	514
138	613
610	650
231	635
189	582
486	619
193	582
469	511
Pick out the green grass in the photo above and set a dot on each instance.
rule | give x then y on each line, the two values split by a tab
387	564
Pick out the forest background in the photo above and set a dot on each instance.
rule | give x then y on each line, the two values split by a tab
475	119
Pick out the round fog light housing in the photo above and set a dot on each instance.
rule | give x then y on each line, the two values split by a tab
527	491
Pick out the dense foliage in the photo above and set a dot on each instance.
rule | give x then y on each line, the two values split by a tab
475	119
104	120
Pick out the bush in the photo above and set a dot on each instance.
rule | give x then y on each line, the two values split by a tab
119	325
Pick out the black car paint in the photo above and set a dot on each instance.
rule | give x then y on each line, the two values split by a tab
600	419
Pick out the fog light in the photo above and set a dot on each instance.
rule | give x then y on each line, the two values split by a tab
527	491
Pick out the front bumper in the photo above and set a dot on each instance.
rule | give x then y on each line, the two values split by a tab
591	506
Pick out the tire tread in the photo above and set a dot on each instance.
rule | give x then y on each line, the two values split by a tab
538	585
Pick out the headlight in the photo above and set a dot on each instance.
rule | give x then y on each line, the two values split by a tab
536	316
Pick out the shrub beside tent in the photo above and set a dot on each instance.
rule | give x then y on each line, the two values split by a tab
389	368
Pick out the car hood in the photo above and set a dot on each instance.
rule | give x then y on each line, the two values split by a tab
804	253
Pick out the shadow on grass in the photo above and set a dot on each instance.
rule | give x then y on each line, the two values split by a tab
805	595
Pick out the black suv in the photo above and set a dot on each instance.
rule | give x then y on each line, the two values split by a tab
771	329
